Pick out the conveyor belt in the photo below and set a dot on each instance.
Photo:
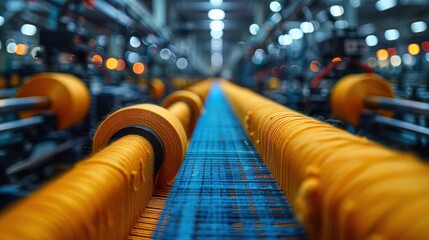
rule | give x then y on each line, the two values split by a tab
223	189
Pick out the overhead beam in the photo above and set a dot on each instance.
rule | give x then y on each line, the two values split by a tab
206	6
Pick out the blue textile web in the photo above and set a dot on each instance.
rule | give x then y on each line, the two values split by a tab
223	188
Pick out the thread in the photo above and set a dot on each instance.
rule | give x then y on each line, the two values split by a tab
162	122
103	196
223	189
146	224
342	186
201	88
193	103
183	113
157	89
100	198
349	93
69	97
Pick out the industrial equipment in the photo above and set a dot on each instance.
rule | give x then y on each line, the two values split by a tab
214	119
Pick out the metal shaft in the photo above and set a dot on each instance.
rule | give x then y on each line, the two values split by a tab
397	105
37	162
386	121
17	104
21	124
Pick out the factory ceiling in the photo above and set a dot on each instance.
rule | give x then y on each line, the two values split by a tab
185	25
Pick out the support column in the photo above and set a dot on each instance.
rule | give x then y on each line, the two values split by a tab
159	11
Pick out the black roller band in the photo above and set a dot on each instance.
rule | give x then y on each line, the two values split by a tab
148	134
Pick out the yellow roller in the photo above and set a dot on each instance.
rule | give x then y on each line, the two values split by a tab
161	121
349	93
3	82
201	88
157	89
341	186
14	80
192	100
100	198
69	97
183	113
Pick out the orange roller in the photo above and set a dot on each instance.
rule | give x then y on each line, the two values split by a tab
162	122
191	99
103	196
3	83
341	186
201	88
157	89
69	97
349	93
183	113
100	198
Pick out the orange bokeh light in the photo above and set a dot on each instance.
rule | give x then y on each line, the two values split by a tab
97	59
138	68
414	49
121	65
314	66
382	54
21	49
337	59
112	63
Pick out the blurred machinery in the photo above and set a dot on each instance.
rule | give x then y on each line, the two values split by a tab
214	119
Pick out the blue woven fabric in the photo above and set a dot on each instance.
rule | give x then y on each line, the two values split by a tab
223	189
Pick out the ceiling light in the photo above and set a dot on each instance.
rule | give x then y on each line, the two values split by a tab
258	56
135	42
341	24
336	10
382	5
418	27
216	60
1	20
391	34
216	2
254	29
408	59
132	57
395	60
28	29
182	63
285	40
371	40
34	53
275	6
217	25
216	14
165	54
306	27
216	34
296	33
11	47
216	44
